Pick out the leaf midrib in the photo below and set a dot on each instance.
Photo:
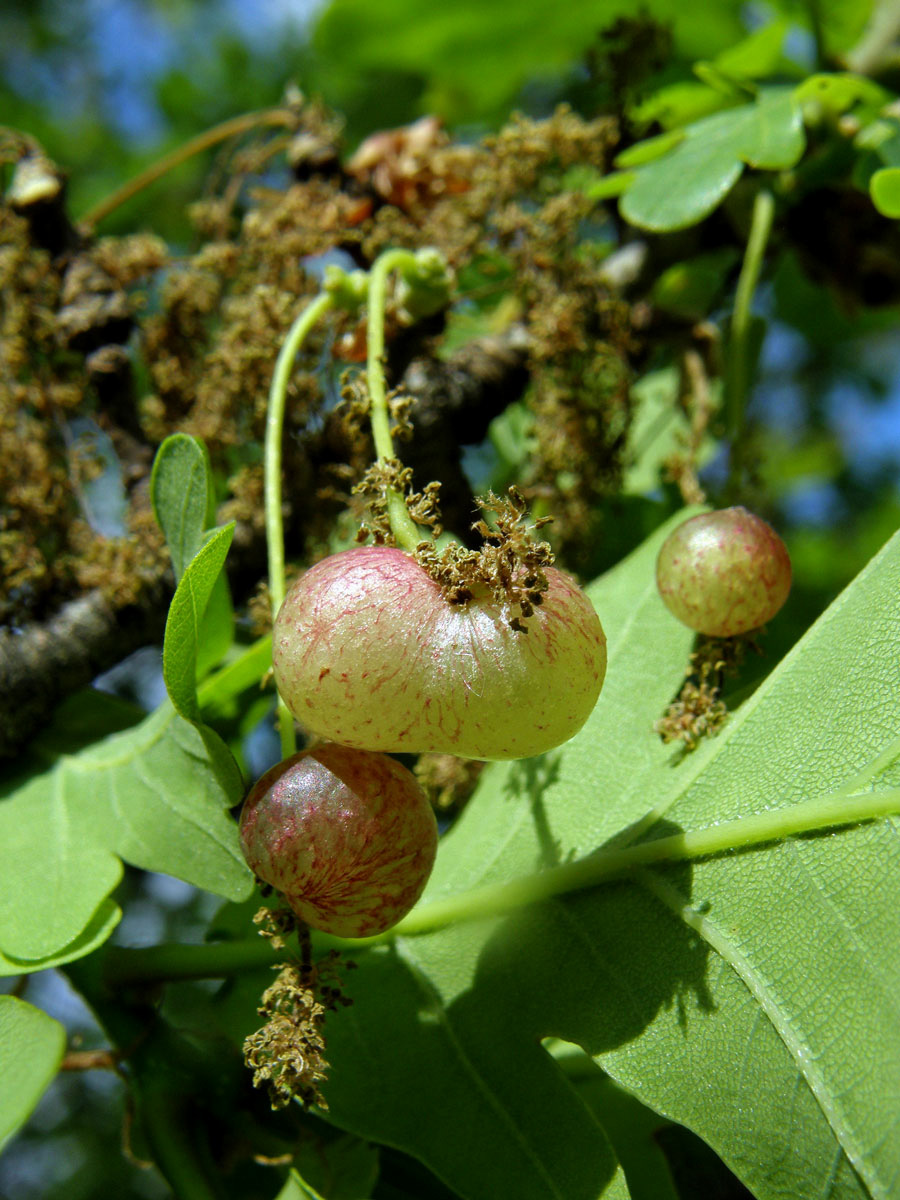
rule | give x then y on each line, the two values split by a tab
740	963
420	977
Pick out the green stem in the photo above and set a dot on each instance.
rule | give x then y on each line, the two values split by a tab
814	8
235	677
406	532
739	348
874	49
825	812
123	966
274	522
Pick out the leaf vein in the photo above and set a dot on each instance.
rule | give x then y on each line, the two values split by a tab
760	990
419	974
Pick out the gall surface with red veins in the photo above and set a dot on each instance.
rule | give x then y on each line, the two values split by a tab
724	573
347	836
368	652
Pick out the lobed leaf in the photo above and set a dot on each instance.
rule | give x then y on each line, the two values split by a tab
152	795
809	928
95	933
31	1049
839	91
468	1061
751	997
685	184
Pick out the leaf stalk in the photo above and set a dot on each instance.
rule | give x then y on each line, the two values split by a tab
835	811
741	321
809	816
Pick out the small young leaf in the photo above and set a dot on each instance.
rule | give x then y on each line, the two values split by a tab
885	189
182	638
686	184
730	89
837	93
182	495
613	184
756	56
243	672
678	104
31	1049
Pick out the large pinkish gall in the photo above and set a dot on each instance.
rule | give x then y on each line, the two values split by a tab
724	573
347	836
368	652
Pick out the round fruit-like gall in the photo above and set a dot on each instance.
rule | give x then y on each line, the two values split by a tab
348	837
368	652
724	573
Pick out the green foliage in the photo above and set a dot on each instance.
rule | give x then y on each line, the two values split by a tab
444	59
183	626
660	428
688	181
885	188
200	624
181	489
345	1169
736	1008
31	1047
145	795
730	972
633	1129
98	929
150	795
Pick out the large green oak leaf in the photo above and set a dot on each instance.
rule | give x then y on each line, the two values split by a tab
751	996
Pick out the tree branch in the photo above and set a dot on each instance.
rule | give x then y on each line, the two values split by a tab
42	664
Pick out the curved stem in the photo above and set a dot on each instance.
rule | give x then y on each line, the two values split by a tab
123	966
126	966
739	348
814	11
404	529
203	141
824	812
274	522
